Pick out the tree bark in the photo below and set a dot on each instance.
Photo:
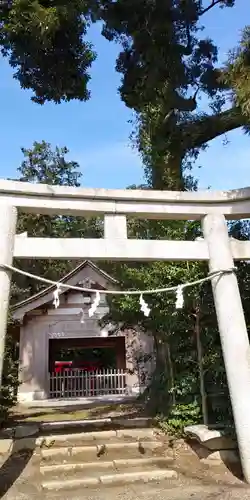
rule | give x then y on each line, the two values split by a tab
171	373
200	366
159	400
167	174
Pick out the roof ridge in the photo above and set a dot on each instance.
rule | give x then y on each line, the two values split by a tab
67	276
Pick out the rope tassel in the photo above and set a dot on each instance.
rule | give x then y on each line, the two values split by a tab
82	317
179	297
95	304
144	306
56	301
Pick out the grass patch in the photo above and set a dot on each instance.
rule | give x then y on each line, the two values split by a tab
52	416
71	413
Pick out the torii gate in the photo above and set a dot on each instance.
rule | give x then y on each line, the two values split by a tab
212	208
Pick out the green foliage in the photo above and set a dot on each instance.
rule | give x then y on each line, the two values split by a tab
179	417
166	32
174	393
10	384
42	164
238	73
44	41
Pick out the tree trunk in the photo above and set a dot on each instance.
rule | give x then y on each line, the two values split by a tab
158	394
200	366
167	174
171	373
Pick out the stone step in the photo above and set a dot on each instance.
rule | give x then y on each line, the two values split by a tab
95	437
114	479
77	439
95	424
107	451
28	429
101	467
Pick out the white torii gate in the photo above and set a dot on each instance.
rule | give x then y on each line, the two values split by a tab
212	208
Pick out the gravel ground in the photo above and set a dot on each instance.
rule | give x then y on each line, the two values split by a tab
183	490
194	483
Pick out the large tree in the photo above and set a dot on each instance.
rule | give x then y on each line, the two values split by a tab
166	64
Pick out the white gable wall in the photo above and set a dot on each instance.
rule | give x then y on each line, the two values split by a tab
86	272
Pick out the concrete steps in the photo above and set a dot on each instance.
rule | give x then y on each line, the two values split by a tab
99	445
109	480
101	452
96	437
99	458
109	466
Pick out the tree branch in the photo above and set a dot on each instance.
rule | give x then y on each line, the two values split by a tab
195	134
213	3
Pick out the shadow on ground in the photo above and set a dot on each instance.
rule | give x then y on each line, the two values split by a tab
193	467
13	467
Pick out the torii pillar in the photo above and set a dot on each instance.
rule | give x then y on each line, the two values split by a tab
8	220
233	331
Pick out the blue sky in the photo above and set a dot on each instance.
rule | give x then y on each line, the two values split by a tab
97	132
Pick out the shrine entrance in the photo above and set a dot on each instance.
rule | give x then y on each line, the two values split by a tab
211	208
87	367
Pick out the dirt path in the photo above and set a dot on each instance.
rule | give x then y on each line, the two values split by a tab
183	489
